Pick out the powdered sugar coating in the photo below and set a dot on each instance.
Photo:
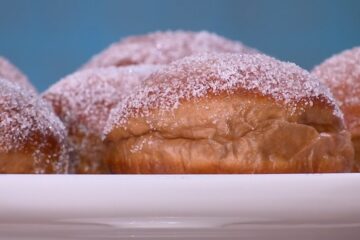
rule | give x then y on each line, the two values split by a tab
9	72
341	73
163	48
83	100
26	120
196	76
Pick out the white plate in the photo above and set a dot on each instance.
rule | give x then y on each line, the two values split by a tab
304	206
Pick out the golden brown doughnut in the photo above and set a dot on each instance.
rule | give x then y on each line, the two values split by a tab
163	48
83	101
228	113
342	74
32	138
11	73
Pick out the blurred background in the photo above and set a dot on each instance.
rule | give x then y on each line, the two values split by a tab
50	39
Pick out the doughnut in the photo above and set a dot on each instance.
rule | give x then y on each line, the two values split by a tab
341	73
228	113
32	138
163	48
83	101
11	73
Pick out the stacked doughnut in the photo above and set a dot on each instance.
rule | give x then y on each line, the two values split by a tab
84	99
163	48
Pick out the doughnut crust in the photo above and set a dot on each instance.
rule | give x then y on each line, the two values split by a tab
341	73
228	113
11	73
32	138
83	101
163	48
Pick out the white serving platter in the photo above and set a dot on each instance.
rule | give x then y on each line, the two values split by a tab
296	206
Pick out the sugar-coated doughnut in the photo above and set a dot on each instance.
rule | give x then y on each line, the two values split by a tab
32	138
83	101
228	113
11	73
342	74
163	48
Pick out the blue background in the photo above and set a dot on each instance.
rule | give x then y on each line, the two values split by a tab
49	39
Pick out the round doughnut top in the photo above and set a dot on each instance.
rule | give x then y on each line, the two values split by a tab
11	73
198	76
83	100
341	73
26	119
163	48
